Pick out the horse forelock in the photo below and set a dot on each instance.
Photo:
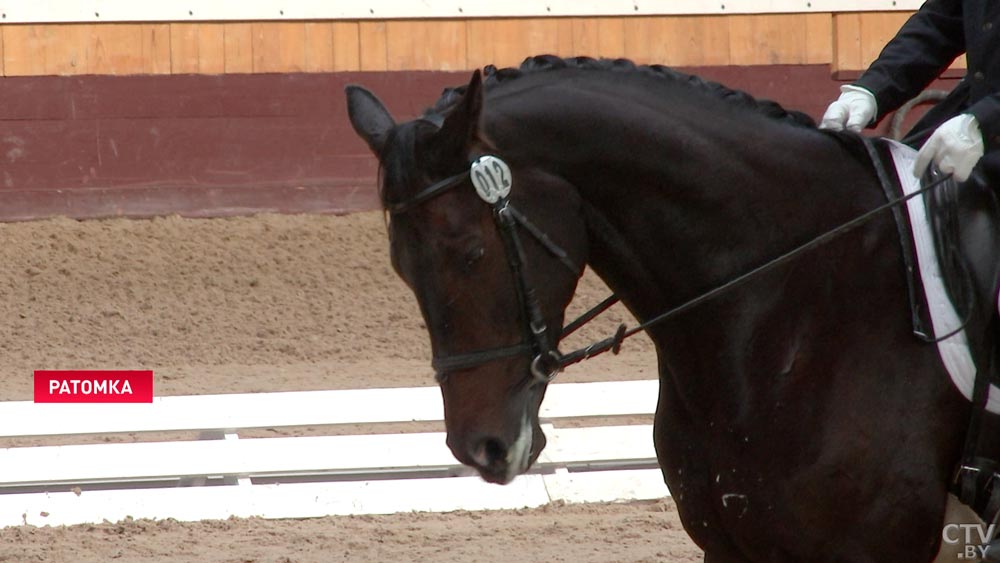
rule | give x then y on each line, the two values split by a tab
494	77
399	163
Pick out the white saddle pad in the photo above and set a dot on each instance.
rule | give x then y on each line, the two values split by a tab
954	350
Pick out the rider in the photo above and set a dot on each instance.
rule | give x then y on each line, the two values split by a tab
966	125
961	134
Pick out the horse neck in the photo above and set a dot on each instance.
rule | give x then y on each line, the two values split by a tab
686	199
679	199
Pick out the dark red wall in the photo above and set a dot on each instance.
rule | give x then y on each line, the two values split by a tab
98	146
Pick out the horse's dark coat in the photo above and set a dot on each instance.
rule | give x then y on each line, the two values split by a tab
798	418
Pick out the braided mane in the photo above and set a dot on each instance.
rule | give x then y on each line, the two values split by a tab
543	63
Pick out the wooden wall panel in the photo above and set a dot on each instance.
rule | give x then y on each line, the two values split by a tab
155	48
677	41
611	38
859	38
197	48
238	46
279	47
565	44
318	46
116	49
47	49
373	46
692	40
586	37
597	37
439	44
211	48
481	49
762	40
847	41
507	42
184	48
641	39
346	46
711	37
876	30
819	38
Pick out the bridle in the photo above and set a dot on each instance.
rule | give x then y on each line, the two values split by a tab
492	180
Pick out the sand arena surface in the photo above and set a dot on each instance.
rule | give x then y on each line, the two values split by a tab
275	303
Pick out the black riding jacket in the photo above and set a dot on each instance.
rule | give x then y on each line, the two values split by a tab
926	45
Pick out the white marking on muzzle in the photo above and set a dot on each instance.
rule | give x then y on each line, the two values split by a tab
520	451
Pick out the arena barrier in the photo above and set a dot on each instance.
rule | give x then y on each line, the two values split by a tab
223	475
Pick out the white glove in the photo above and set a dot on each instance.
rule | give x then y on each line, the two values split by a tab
955	147
854	109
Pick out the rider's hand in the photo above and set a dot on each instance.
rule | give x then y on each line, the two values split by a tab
853	110
955	147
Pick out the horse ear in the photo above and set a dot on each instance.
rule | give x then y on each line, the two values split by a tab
370	119
461	127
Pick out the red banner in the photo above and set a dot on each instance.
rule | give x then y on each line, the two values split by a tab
93	386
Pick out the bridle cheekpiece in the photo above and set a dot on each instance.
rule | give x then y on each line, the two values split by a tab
491	177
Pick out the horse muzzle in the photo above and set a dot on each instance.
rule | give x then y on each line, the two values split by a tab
499	460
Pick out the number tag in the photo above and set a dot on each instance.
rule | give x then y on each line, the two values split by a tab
491	177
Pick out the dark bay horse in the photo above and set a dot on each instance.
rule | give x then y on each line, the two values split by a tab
798	418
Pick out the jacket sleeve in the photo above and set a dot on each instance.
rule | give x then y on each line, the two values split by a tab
921	50
987	112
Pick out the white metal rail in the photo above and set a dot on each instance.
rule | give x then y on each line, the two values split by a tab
308	476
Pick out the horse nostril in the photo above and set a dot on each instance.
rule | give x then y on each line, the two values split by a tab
489	452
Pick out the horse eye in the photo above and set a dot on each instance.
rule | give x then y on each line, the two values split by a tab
473	256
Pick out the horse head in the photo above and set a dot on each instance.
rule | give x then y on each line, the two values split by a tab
491	291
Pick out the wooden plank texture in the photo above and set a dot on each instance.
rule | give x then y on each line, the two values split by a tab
279	47
426	44
318	46
847	43
765	40
373	46
33	50
611	37
346	46
211	48
585	36
876	30
845	40
238	45
819	38
184	48
116	49
507	42
598	37
678	41
155	48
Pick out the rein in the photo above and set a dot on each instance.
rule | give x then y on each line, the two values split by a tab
614	343
491	178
